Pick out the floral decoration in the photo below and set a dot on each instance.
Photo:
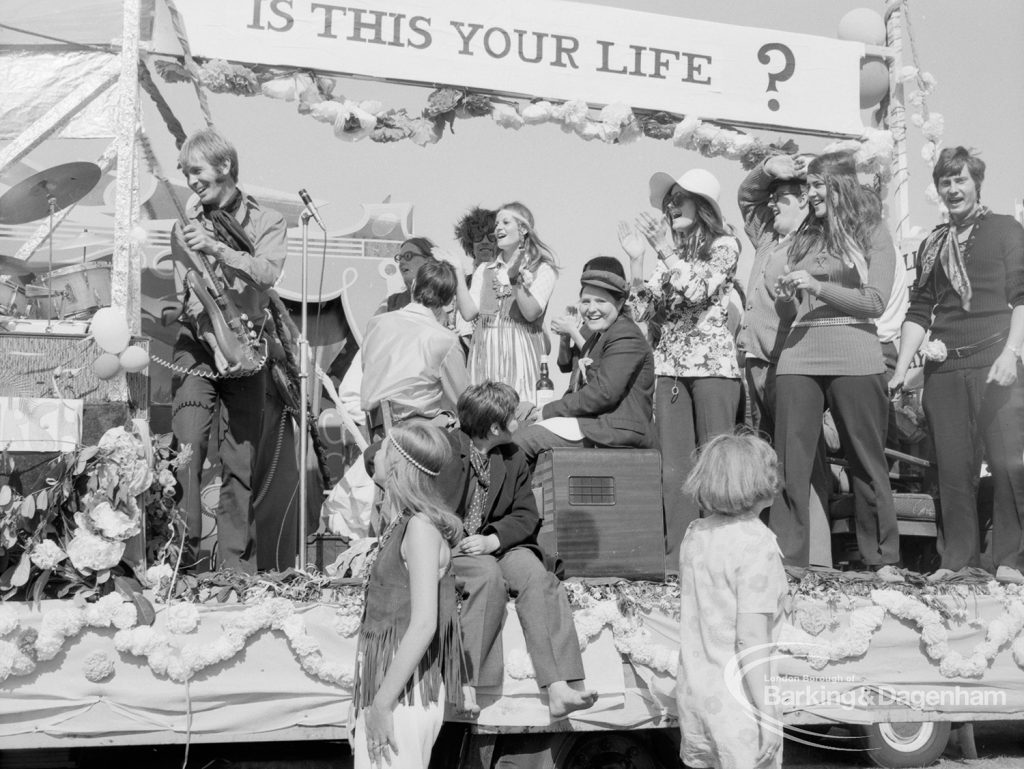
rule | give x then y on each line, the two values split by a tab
99	666
181	617
934	350
614	124
931	124
220	76
854	641
182	663
873	152
71	535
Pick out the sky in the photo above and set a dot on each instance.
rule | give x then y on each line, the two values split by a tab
579	190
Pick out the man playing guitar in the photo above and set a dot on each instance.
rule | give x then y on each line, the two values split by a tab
244	246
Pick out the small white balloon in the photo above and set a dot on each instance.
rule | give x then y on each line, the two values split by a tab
134	359
864	25
106	366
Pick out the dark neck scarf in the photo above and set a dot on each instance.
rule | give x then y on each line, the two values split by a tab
226	227
942	246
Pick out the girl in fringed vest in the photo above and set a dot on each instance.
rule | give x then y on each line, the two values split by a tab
410	651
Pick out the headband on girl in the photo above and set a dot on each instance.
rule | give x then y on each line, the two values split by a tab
410	460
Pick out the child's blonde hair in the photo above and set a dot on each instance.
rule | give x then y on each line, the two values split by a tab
735	474
418	454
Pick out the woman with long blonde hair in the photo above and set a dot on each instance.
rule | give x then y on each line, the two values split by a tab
506	302
409	659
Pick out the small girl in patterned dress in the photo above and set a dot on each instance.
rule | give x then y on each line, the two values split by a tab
731	584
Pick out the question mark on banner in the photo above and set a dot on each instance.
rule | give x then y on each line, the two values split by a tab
784	74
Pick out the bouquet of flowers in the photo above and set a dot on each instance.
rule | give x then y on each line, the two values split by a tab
104	511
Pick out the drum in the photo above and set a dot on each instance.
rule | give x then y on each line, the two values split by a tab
78	291
12	297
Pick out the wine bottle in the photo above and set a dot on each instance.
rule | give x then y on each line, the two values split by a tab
545	387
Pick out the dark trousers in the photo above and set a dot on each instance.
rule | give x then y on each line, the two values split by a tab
688	411
760	379
963	410
860	409
542	608
242	401
889	356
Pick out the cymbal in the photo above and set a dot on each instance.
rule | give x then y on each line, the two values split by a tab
28	200
84	240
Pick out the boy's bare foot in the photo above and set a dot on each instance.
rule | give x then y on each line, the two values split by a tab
470	708
565	698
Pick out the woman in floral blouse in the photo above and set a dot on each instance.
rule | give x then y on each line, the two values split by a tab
697	392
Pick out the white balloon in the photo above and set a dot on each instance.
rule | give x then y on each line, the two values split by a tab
110	330
134	359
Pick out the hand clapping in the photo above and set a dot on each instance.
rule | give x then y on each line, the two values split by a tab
657	231
631	241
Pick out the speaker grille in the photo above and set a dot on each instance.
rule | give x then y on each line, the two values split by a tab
591	490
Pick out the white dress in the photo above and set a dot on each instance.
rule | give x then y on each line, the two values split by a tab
506	347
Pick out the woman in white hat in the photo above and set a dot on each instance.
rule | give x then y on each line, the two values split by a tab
697	391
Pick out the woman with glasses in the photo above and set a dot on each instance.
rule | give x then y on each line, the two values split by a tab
697	386
412	255
506	301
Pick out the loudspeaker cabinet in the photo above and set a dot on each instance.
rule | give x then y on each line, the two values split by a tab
602	511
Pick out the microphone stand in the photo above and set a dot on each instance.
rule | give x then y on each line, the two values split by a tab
303	395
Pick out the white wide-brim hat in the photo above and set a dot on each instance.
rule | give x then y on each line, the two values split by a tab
696	181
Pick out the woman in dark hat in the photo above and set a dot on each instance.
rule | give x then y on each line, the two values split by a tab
611	403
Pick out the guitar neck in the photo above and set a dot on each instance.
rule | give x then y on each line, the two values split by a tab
198	258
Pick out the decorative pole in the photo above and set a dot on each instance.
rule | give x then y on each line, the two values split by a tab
897	119
126	285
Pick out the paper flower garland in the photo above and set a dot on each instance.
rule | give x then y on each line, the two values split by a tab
614	124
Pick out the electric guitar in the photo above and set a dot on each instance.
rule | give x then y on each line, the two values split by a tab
233	332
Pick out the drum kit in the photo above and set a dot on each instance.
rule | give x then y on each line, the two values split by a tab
80	286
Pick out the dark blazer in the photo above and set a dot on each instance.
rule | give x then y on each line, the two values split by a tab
511	510
615	405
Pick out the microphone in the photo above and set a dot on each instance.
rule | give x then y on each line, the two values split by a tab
311	207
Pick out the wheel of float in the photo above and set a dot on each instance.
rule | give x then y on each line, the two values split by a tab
610	750
905	745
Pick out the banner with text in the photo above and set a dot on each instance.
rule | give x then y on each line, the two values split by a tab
546	48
